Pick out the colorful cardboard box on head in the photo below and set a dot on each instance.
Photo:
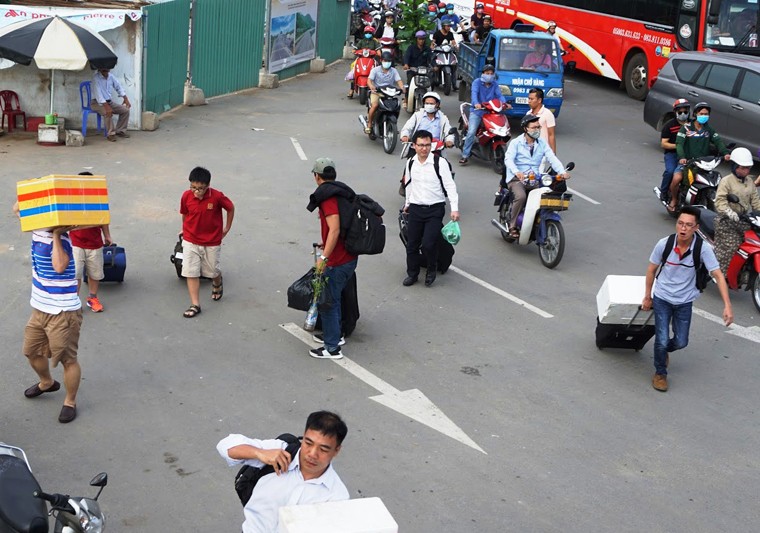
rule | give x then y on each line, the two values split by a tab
61	200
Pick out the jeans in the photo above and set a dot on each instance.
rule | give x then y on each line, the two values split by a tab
671	162
666	314
337	277
472	129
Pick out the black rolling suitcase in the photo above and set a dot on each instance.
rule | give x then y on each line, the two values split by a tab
633	337
114	263
445	249
176	257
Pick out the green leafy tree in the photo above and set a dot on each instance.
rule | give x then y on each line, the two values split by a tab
414	17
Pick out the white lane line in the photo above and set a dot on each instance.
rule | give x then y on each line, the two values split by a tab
298	148
749	333
581	195
412	403
505	294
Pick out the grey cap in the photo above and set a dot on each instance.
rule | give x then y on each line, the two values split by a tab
321	163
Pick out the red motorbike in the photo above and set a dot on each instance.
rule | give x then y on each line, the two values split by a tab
744	268
365	62
492	135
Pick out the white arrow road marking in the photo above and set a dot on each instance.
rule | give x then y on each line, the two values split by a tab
581	195
505	294
298	148
750	333
412	403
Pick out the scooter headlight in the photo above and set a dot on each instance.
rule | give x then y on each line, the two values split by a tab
547	180
554	93
91	517
501	131
505	90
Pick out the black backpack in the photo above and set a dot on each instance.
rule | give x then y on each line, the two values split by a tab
703	276
364	231
248	475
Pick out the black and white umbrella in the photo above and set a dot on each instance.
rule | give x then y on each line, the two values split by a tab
56	44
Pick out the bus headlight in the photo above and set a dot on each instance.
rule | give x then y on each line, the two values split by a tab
554	93
505	90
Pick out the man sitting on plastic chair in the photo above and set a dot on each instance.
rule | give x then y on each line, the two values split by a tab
104	87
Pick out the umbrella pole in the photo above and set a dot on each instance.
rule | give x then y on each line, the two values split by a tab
52	89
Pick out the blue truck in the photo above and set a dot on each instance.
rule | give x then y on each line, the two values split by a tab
520	65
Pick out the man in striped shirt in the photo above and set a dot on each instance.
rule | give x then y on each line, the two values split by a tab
52	332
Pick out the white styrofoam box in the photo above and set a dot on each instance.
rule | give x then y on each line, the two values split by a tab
619	299
363	515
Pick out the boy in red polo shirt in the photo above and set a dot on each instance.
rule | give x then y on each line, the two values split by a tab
203	229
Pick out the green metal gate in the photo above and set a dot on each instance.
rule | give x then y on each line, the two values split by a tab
165	37
228	43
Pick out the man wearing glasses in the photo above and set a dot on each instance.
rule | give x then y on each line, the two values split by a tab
676	289
427	183
202	233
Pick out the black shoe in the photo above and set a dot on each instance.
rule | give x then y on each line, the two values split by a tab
324	353
429	279
409	281
320	337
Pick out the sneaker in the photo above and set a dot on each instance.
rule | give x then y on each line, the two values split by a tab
324	353
319	337
94	304
660	382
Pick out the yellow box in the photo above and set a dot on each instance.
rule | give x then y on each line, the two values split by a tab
61	200
556	201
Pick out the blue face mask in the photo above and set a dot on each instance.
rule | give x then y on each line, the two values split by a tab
702	119
487	78
368	36
386	65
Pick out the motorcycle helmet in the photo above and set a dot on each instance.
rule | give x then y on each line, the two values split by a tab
479	5
389	14
702	105
681	102
369	29
486	17
421	34
551	24
449	6
527	119
433	94
432	8
387	56
487	67
446	22
740	156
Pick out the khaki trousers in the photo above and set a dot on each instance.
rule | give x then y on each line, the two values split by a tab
118	109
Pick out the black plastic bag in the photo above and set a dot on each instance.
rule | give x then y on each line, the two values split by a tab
301	292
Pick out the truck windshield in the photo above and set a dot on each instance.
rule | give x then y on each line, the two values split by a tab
516	53
737	20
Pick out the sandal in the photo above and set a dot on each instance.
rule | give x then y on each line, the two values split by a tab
192	311
514	233
217	291
671	208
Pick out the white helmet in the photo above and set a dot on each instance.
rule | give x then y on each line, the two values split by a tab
433	94
742	157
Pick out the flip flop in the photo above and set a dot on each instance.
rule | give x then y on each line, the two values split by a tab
217	291
192	311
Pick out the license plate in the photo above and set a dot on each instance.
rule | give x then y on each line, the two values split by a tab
521	100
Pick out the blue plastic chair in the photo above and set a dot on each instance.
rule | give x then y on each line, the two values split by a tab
85	97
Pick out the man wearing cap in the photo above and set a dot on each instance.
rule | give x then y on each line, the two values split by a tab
335	262
482	31
476	20
383	75
104	88
484	89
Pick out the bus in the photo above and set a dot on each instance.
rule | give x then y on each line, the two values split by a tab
631	40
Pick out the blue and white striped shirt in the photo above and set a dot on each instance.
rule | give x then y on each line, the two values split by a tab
52	292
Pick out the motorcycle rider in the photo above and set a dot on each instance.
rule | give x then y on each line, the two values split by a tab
456	20
681	108
431	119
484	89
693	140
387	30
383	75
729	230
367	41
523	157
445	35
417	55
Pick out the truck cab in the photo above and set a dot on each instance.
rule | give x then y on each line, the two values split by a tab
524	59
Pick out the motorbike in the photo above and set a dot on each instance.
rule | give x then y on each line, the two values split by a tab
386	118
744	268
445	62
540	221
388	44
22	501
436	148
418	86
365	62
492	135
699	185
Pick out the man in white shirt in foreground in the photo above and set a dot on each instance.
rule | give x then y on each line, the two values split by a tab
304	479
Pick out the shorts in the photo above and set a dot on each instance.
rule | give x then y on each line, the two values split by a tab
90	261
374	98
200	261
679	168
53	336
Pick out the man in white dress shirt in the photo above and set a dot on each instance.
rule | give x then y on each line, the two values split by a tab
426	188
104	88
304	479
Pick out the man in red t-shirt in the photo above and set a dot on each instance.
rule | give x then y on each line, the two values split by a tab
336	263
87	246
203	229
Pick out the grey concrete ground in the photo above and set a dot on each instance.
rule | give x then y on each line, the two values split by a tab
575	438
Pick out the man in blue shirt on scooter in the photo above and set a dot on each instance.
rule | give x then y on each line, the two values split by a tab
484	89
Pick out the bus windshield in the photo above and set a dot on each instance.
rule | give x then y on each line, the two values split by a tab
517	53
736	25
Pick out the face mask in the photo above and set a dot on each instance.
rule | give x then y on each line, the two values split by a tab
533	134
429	108
702	119
480	10
682	116
368	36
486	78
386	65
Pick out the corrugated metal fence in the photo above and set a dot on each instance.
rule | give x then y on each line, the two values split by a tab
165	31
